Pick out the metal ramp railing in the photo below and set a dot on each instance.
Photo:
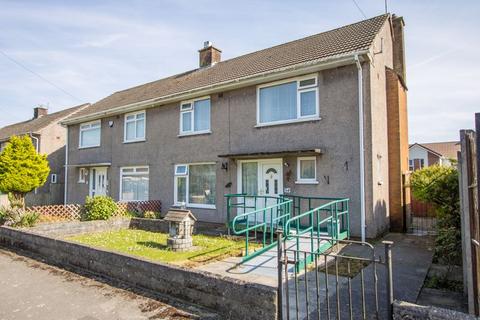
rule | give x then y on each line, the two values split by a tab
257	218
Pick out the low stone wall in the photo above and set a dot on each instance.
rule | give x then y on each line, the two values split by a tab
234	299
64	229
154	225
409	311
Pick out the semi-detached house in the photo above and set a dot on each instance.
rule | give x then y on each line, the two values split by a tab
308	117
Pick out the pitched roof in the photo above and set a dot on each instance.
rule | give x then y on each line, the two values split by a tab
341	41
35	125
447	149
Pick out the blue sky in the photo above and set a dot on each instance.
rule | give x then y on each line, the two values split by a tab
94	48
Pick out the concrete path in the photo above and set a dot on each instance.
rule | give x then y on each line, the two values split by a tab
412	257
261	269
33	290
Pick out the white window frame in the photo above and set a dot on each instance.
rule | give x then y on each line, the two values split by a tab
186	175
306	181
191	110
82	173
89	124
136	113
135	168
299	118
411	165
53	178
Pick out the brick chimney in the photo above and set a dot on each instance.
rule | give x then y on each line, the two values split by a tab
399	47
209	55
39	112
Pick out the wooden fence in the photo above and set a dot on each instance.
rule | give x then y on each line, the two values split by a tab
69	212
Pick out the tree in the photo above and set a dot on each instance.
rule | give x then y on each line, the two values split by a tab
439	185
22	169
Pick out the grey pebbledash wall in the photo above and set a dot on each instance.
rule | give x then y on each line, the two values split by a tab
234	299
409	311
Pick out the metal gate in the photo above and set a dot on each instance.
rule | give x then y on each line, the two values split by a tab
348	281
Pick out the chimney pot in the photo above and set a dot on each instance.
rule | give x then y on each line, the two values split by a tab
209	55
39	112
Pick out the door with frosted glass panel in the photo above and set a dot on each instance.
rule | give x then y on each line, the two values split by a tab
271	184
98	182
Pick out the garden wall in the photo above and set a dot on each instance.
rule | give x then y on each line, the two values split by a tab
70	228
234	299
409	311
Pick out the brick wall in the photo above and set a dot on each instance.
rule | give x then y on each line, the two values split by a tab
399	196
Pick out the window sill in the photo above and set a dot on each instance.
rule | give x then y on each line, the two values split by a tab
197	206
89	147
134	141
306	182
277	123
198	133
121	200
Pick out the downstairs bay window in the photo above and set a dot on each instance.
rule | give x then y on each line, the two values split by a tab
134	183
288	101
195	185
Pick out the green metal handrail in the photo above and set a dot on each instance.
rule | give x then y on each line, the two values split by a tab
258	221
241	203
307	201
337	221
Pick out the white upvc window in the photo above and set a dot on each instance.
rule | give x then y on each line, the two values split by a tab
195	116
82	174
307	170
134	128
90	134
134	182
286	101
195	185
53	178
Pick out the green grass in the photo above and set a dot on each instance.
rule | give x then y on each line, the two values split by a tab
153	246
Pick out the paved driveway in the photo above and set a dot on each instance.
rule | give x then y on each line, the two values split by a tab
33	290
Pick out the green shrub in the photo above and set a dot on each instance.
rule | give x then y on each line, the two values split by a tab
27	219
151	215
17	217
3	215
99	208
22	169
438	185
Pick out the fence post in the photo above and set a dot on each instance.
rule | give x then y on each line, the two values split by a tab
280	275
389	278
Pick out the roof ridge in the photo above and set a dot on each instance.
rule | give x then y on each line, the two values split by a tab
50	115
253	52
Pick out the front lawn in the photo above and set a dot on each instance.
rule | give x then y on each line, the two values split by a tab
153	246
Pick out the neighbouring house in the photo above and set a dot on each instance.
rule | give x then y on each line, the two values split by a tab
48	137
313	117
427	154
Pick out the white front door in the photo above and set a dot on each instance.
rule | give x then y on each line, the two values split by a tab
98	181
262	178
271	179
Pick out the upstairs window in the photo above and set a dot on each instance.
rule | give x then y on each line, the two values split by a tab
134	127
90	134
195	116
286	101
